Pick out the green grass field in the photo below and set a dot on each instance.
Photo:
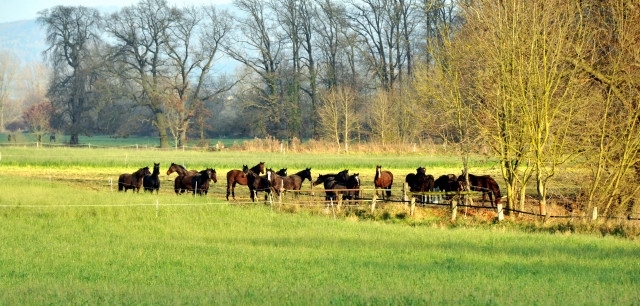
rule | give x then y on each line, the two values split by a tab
66	240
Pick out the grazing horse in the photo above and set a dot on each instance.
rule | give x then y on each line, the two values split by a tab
133	180
152	182
259	183
383	179
240	177
484	183
447	183
200	181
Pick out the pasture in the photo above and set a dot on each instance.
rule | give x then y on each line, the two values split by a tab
66	238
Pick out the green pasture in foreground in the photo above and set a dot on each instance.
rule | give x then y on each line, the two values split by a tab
248	255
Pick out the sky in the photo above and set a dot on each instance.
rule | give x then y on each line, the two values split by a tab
16	10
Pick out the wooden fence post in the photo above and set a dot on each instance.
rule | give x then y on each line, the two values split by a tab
594	216
339	201
312	195
280	199
111	183
454	210
334	210
500	212
373	203
405	196
413	206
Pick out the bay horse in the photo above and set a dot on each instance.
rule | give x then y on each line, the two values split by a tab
152	182
484	183
240	177
133	180
181	170
294	181
259	183
200	181
383	179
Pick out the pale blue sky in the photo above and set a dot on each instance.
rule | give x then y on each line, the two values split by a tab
14	10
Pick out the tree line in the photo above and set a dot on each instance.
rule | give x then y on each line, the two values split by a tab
539	84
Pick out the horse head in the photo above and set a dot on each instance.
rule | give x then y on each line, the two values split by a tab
421	170
282	172
212	175
156	168
320	180
245	169
306	174
261	164
171	168
343	175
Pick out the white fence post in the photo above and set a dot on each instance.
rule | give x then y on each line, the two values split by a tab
111	183
594	216
156	207
500	212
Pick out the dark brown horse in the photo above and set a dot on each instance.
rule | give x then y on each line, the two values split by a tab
447	183
258	183
240	177
484	183
294	181
383	179
420	182
200	181
133	180
185	182
331	185
152	182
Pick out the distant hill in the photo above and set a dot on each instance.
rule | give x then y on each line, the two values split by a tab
25	38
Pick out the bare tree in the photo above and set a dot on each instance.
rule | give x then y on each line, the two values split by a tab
8	66
140	51
72	35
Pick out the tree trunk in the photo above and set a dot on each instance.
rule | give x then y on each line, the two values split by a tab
74	140
162	129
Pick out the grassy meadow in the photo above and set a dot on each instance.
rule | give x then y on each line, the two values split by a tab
65	238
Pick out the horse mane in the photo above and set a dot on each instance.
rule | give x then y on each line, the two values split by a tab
257	168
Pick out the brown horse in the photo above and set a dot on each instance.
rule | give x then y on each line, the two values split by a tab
181	170
259	183
484	183
447	183
185	182
420	182
133	180
200	181
240	177
294	181
383	179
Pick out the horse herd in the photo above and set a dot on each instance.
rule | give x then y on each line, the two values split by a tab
335	184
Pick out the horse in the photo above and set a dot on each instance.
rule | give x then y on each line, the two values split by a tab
447	183
353	182
342	177
52	138
330	184
185	183
152	182
420	181
383	179
240	177
200	181
282	172
259	183
484	183
294	181
133	180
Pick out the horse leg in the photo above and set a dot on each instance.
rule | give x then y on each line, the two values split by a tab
389	192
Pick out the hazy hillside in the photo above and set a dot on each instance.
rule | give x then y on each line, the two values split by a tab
25	38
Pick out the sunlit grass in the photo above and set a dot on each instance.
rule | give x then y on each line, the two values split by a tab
220	253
